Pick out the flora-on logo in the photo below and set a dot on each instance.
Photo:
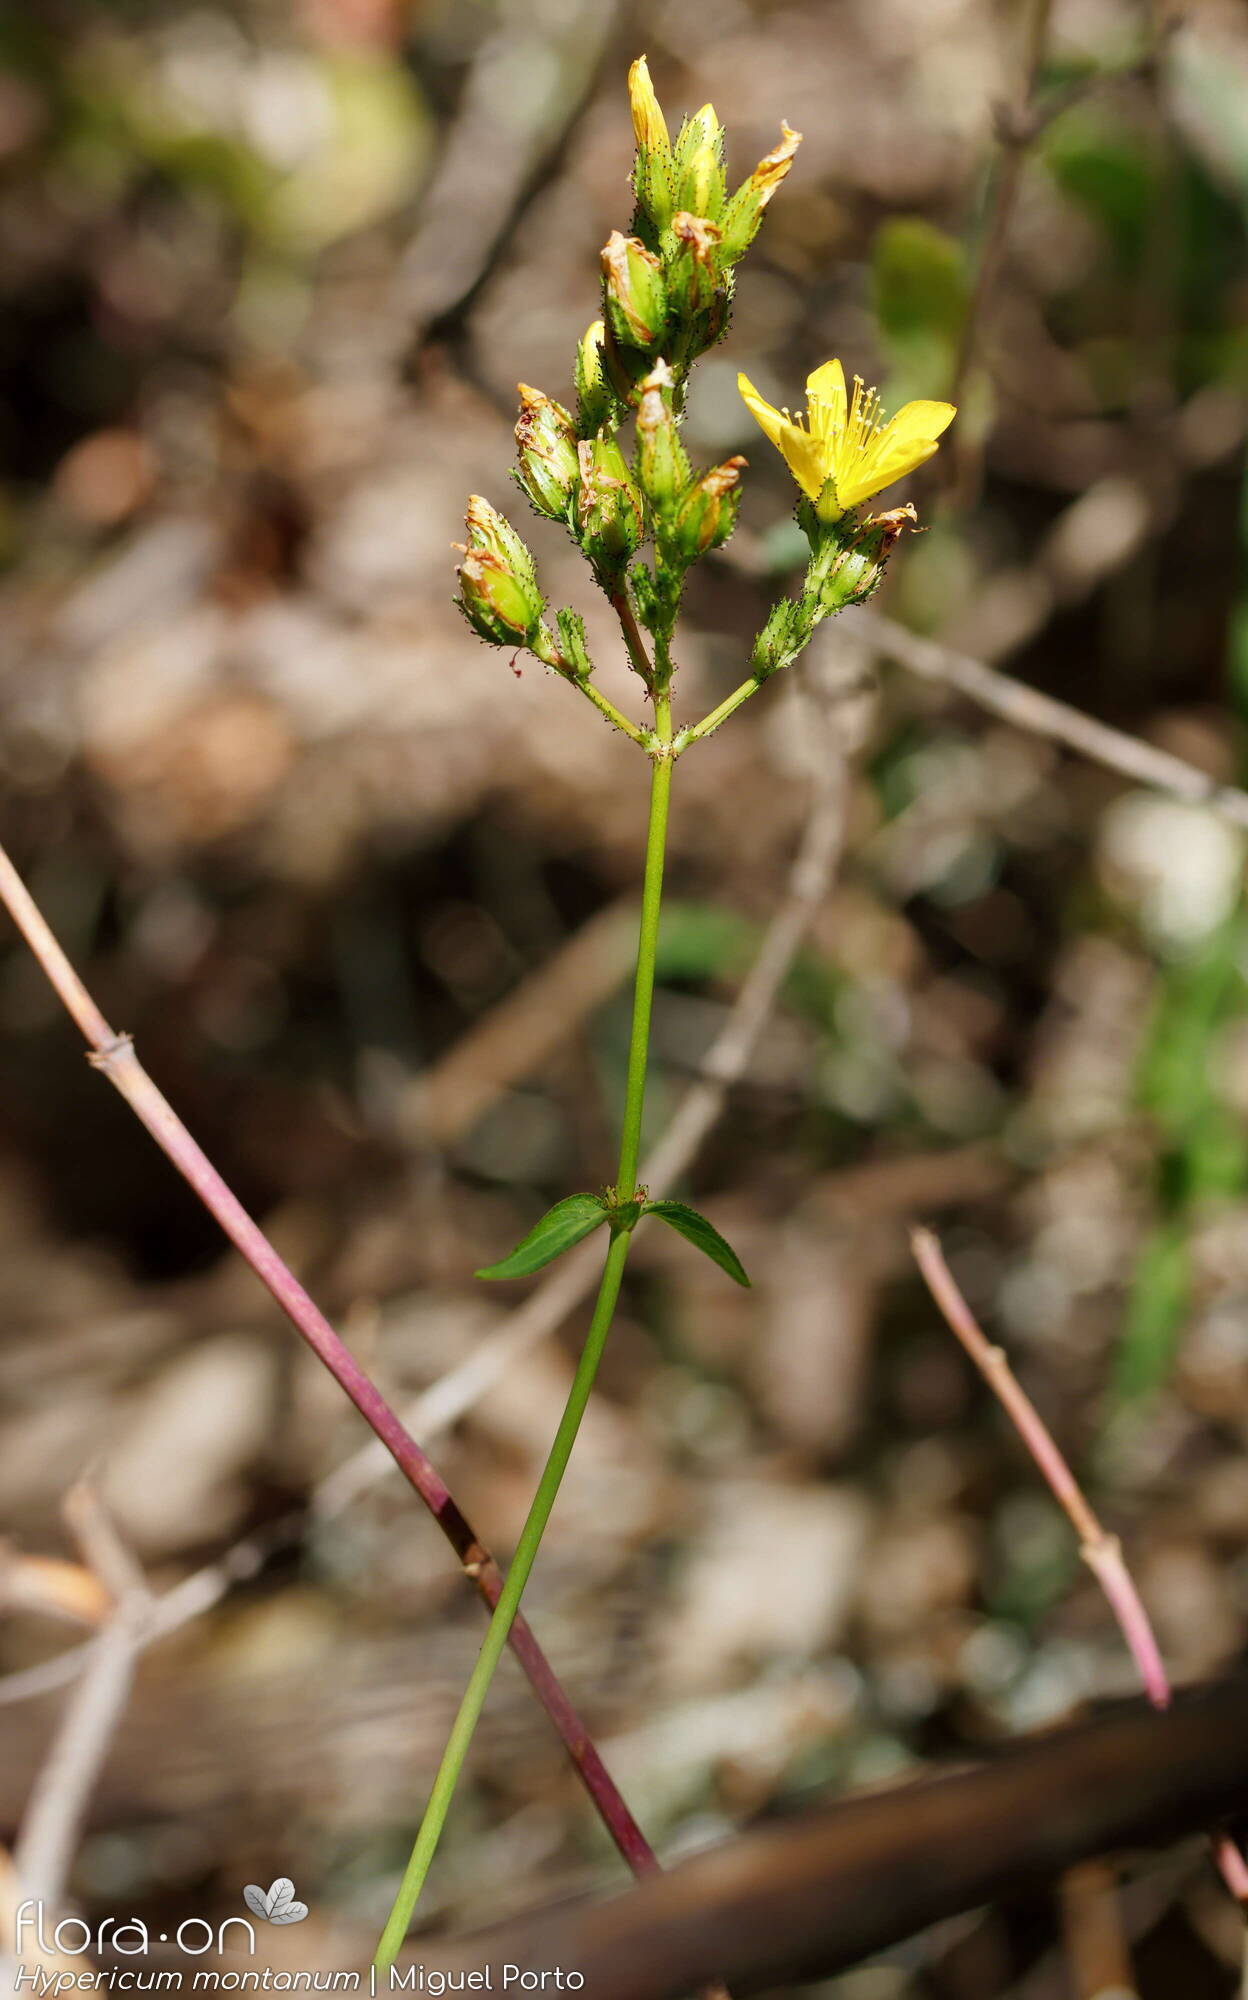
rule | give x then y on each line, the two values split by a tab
276	1904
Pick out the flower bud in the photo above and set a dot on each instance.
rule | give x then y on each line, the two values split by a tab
699	154
707	514
859	570
594	398
745	211
634	294
498	591
488	529
609	510
702	183
653	173
693	273
649	124
662	466
546	447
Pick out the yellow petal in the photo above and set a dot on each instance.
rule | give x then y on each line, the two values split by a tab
827	385
878	469
918	421
649	124
826	402
806	458
801	452
763	412
904	443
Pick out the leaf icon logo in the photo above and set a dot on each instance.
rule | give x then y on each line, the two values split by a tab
277	1903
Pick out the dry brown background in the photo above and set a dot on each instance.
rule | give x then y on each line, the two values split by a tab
270	276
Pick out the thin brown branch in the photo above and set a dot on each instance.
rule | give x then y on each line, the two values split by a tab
1041	715
1016	131
639	658
1102	1552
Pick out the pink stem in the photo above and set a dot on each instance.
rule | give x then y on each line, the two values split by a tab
1102	1552
115	1055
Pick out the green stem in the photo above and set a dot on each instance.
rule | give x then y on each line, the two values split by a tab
711	722
583	1381
647	947
613	714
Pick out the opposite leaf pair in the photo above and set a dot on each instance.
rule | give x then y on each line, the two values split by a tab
578	1215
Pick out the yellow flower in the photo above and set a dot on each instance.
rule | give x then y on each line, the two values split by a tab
844	439
649	124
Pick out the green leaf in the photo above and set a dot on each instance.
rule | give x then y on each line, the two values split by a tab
701	1234
560	1227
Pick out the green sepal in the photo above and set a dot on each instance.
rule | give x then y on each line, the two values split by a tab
645	595
654	184
788	628
563	1225
699	165
572	643
595	399
625	1215
702	1234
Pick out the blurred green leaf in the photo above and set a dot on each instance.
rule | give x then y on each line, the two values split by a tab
919	275
1166	222
1154	1315
1195	997
701	941
920	290
1104	166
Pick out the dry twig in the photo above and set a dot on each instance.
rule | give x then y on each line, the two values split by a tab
1041	715
1102	1552
61	1793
